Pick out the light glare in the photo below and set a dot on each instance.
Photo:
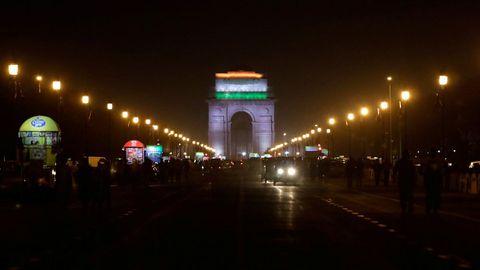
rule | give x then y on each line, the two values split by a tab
13	69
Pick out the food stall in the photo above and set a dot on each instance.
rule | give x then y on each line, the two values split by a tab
40	135
134	151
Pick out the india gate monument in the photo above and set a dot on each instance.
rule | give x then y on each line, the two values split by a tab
241	115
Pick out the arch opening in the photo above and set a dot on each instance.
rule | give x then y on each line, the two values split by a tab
241	135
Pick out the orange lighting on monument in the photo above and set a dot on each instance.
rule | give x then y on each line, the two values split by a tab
239	75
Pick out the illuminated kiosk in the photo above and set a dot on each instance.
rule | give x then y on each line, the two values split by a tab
242	95
154	153
134	151
40	135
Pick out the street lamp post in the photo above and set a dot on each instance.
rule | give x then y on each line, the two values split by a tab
331	122
148	122
390	139
350	118
405	96
136	121
39	80
13	71
109	109
125	115
364	111
442	81
57	87
86	102
383	106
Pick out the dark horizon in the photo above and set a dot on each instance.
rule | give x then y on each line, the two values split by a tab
320	59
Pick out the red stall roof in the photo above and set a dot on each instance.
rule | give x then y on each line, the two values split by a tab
134	144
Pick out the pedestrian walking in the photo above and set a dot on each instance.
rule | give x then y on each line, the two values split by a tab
84	179
102	185
377	170
433	176
63	180
350	171
386	172
359	173
186	170
405	171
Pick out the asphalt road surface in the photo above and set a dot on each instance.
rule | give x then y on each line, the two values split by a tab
237	222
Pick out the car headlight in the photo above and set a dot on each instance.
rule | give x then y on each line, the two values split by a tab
291	171
280	171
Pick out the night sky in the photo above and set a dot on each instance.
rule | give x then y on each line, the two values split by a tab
321	59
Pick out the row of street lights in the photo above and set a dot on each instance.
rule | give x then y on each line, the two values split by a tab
56	86
364	111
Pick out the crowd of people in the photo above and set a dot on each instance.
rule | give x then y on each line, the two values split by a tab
90	181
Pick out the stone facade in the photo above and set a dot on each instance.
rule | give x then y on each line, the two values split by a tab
220	113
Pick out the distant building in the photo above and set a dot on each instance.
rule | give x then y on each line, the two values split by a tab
241	115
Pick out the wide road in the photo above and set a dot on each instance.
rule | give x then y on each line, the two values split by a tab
237	222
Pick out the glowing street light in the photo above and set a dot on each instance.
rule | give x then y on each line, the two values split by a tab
329	131
155	127
312	131
405	95
136	120
319	129
13	70
148	122
85	100
124	114
350	116
110	106
364	111
331	121
442	80
389	78
384	105
56	86
165	130
38	78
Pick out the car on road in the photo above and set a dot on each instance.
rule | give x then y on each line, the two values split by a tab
286	171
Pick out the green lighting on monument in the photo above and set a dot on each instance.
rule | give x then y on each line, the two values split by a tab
241	95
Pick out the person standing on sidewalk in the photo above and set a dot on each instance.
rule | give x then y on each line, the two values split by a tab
405	171
433	174
350	171
377	170
386	172
359	173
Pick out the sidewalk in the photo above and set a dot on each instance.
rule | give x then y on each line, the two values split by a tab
462	205
451	235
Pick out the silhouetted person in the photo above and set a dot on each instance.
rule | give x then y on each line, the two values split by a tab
63	183
350	171
178	170
102	185
377	170
359	166
312	169
162	171
433	181
147	170
386	172
84	182
405	171
186	170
